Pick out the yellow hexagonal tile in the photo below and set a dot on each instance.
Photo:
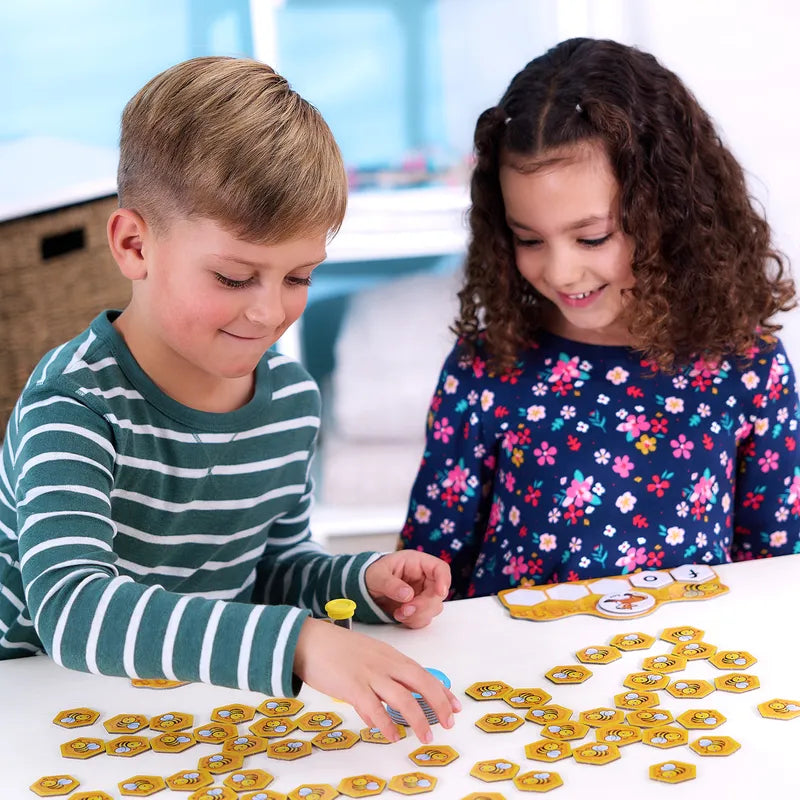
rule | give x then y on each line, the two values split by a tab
497	769
499	723
84	747
374	735
525	698
156	683
234	713
220	763
620	735
732	659
483	796
141	785
273	727
91	795
779	708
54	785
313	791
633	700
672	772
737	682
487	690
361	785
215	732
127	746
646	681
565	731
690	689
247	780
173	742
632	641
715	745
316	721
412	783
701	719
433	755
289	749
280	706
649	717
341	739
244	745
538	781
684	633
126	723
665	737
76	717
213	793
188	780
548	750
598	654
664	663
542	715
264	794
694	651
597	753
571	673
171	721
595	717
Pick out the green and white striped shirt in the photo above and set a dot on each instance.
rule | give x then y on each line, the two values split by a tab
140	537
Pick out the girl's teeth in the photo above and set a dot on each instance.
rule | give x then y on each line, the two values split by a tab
580	296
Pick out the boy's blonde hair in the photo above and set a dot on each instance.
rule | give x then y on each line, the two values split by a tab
228	139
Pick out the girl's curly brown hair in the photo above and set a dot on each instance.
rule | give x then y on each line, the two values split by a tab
707	277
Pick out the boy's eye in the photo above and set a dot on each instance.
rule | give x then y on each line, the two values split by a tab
231	283
295	280
595	242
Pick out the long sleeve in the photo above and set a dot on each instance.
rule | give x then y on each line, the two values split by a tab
448	510
767	507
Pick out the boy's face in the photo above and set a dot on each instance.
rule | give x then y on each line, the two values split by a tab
210	305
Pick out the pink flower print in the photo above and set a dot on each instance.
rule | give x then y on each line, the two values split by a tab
565	370
579	492
793	494
545	454
743	431
682	447
634	425
622	466
494	515
509	440
703	490
509	481
478	367
516	567
768	461
457	479
442	429
634	556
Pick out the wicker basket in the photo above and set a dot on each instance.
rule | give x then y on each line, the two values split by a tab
56	275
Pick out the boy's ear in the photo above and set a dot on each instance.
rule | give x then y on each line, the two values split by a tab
126	233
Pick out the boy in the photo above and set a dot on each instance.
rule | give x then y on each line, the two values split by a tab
155	489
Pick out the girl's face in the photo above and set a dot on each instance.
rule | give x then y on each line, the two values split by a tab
563	210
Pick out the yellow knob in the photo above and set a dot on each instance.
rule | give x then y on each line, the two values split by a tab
340	608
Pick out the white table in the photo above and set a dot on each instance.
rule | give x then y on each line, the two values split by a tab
472	640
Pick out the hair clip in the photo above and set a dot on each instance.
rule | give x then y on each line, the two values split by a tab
506	120
578	108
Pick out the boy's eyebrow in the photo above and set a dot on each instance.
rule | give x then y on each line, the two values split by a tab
256	265
573	226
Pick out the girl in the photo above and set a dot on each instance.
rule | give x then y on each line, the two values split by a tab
616	400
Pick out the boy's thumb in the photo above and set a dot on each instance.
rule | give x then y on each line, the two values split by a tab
399	590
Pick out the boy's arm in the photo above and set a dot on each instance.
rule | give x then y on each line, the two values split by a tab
449	505
767	505
87	615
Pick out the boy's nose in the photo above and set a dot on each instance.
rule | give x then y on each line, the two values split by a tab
267	310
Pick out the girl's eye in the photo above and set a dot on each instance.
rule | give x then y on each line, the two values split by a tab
526	242
230	283
595	242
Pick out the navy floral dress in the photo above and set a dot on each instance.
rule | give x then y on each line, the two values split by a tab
586	460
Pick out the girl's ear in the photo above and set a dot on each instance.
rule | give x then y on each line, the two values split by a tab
126	233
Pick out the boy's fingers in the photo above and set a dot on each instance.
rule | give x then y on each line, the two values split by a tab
397	589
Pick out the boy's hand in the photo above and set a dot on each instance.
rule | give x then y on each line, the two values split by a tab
366	673
409	586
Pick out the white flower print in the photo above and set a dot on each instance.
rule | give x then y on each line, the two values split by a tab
447	526
472	481
422	514
432	490
603	399
715	427
547	542
575	544
792	424
708	556
731	401
761	426
567	412
675	535
609	530
782	514
553	516
536	413
704	410
479	451
584	562
673	404
622	413
513	516
456	544
617	375
701	540
682	509
777	539
750	379
472	398
540	390
680	382
602	456
487	399
726	502
625	502
581	427
723	458
599	489
450	384
473	418
782	415
624	547
585	366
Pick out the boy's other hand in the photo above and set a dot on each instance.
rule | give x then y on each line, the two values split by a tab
409	586
366	673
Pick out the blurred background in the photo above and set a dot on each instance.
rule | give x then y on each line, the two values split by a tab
401	83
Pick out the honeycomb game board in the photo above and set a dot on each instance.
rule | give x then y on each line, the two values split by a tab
615	597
